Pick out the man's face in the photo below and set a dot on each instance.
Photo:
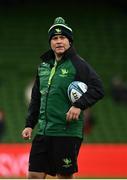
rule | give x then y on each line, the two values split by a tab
59	44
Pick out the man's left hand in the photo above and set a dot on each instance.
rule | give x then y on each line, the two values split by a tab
73	113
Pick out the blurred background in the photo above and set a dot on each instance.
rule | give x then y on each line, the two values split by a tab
100	37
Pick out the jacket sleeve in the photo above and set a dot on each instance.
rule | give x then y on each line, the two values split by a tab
95	92
34	106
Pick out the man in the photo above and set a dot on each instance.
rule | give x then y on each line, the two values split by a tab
60	124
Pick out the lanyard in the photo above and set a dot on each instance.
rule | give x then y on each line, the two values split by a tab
53	70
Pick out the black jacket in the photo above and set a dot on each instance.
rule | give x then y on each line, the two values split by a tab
83	72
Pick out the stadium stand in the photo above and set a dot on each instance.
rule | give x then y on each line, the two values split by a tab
100	37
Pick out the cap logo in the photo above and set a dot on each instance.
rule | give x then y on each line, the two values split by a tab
58	31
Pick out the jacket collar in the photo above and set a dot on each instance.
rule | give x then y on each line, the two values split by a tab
50	54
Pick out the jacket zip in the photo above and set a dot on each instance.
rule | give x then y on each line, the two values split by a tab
46	109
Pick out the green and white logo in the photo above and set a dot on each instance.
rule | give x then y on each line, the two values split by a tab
64	73
67	162
58	31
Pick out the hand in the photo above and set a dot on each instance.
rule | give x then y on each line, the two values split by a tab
27	133
73	113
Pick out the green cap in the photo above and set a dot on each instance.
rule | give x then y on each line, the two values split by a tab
60	27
